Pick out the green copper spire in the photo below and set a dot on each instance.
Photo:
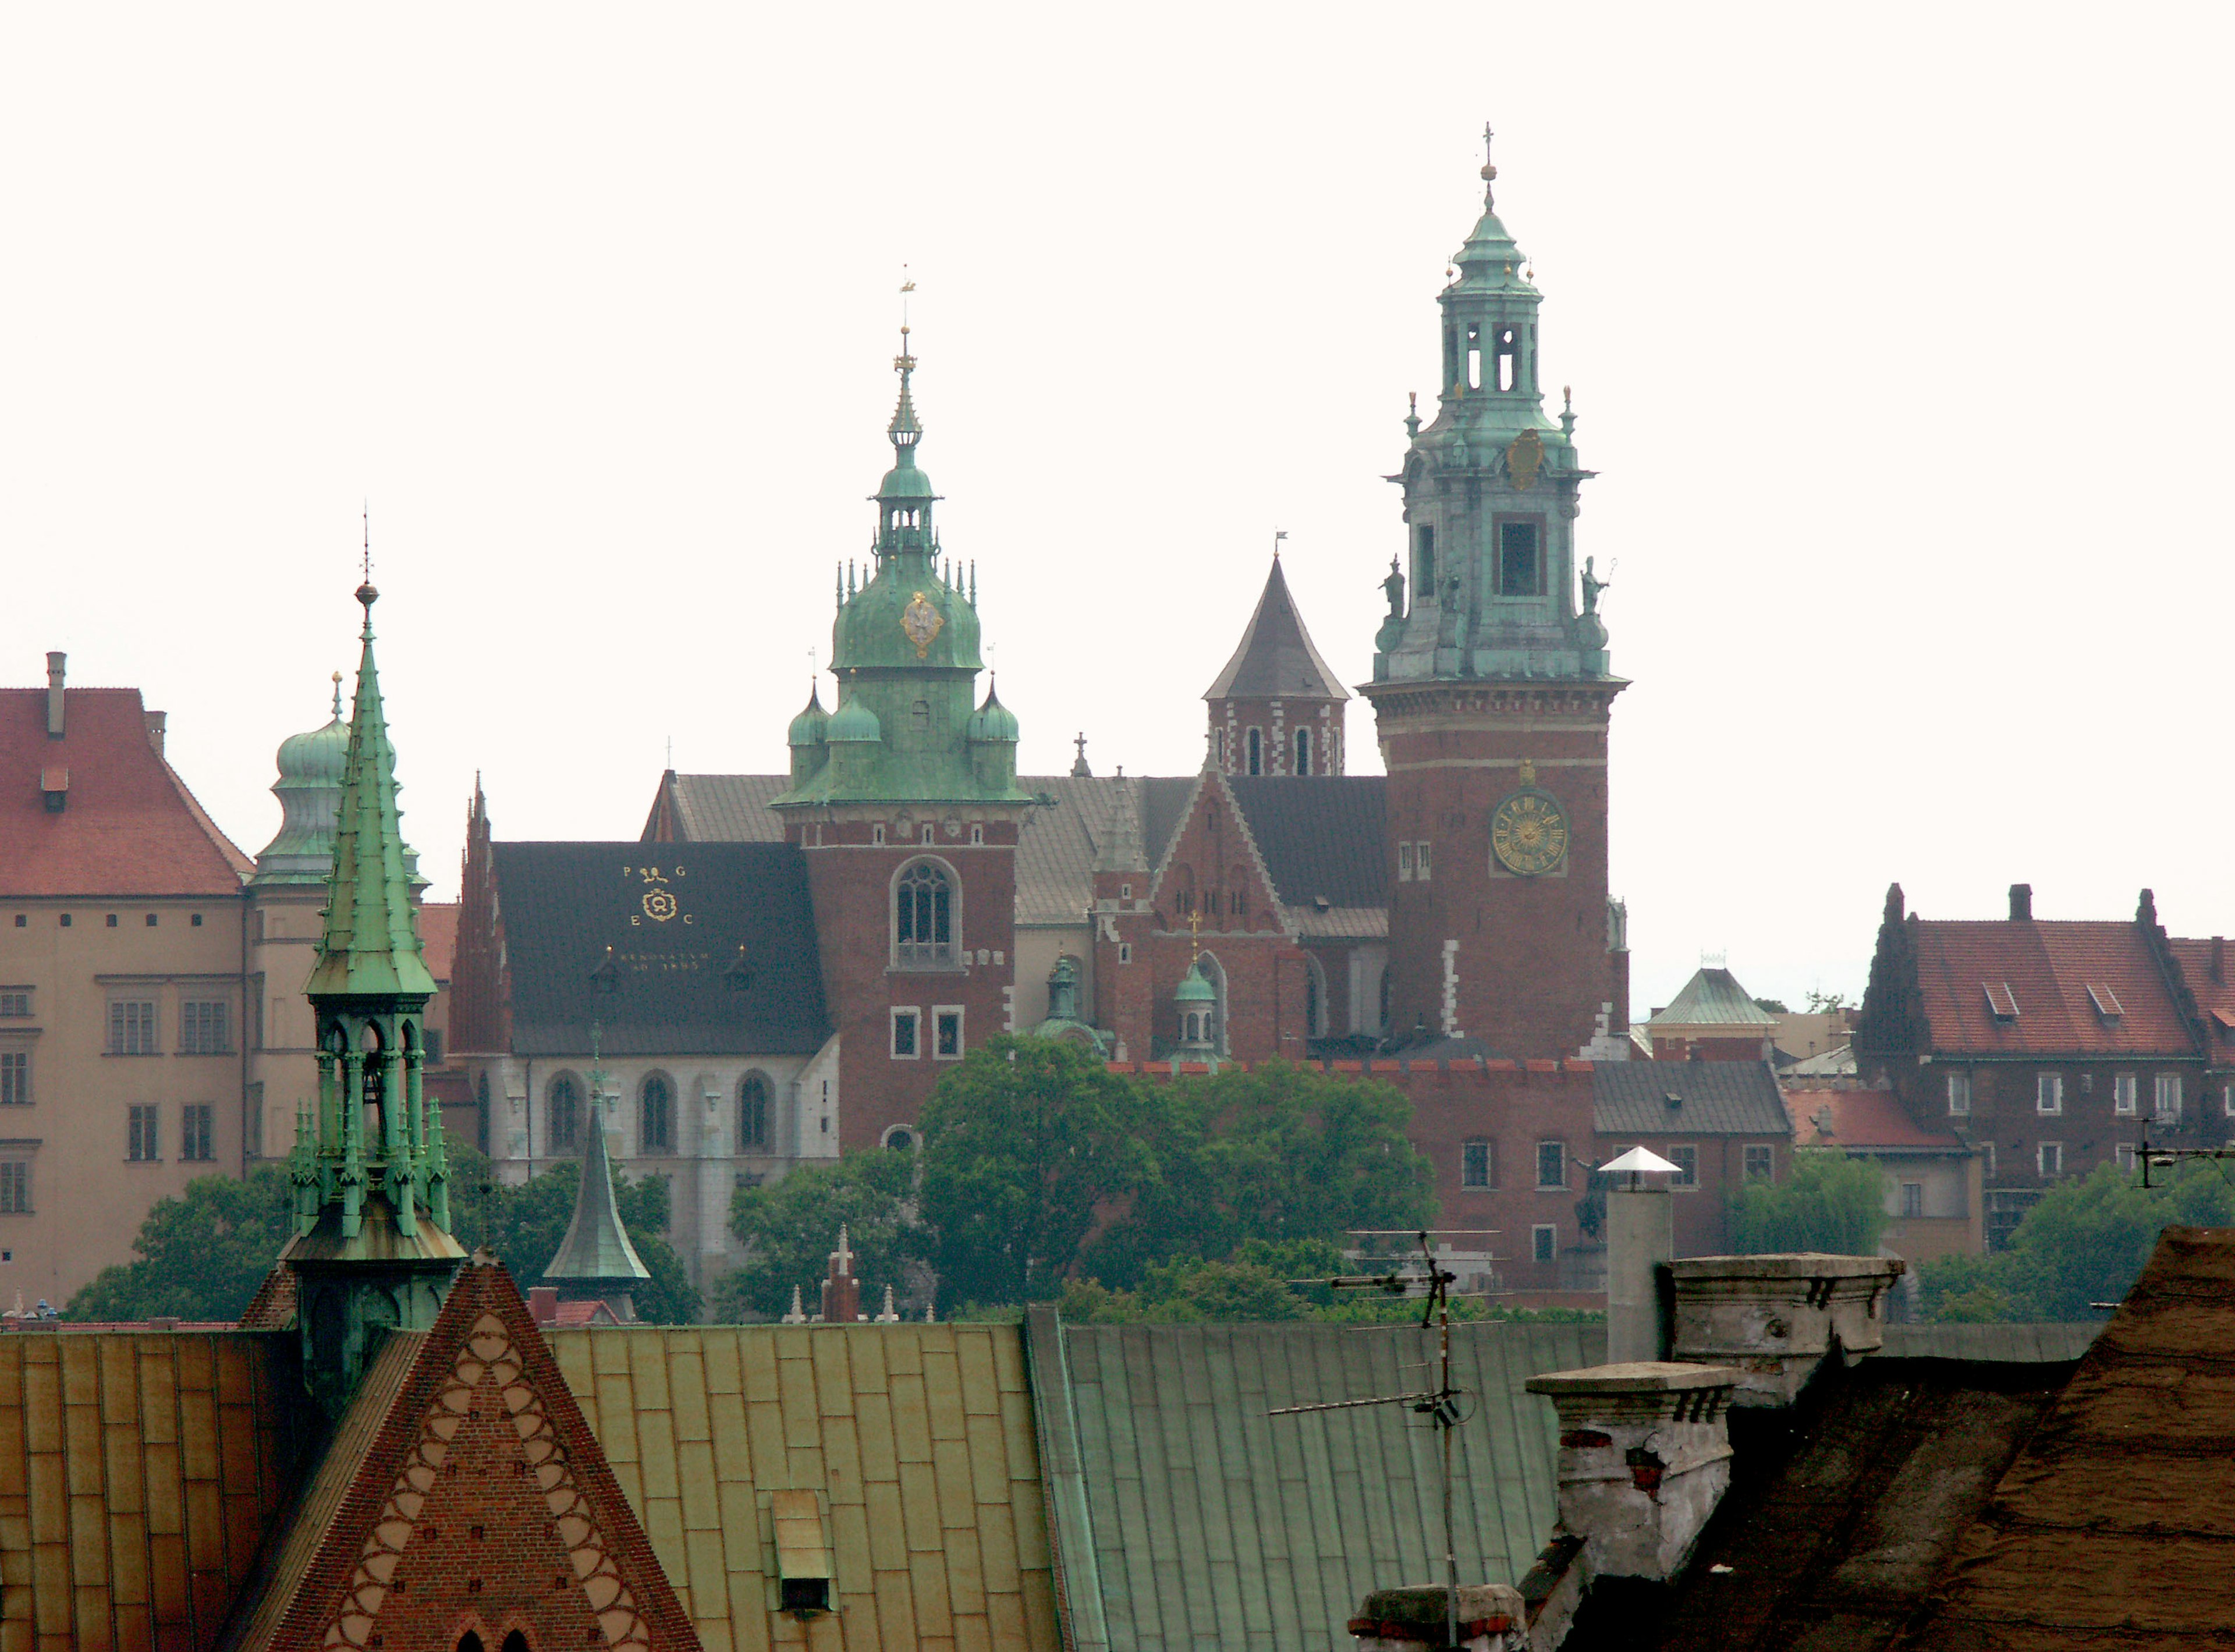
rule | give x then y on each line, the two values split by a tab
373	1250
595	1258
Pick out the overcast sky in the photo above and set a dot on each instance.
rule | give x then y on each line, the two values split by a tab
1899	337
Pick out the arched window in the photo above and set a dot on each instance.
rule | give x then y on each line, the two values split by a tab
515	1642
656	1116
923	914
1256	751
1303	751
753	1114
470	1641
901	1138
562	1130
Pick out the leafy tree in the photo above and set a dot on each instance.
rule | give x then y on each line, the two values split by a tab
1829	1203
1023	1142
789	1227
523	1224
1277	1153
2085	1242
201	1254
1772	1006
1823	1003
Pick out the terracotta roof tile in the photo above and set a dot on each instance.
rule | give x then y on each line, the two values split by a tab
438	936
2048	967
1859	1119
130	826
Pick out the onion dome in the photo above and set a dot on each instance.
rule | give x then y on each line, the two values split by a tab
811	726
853	721
994	721
308	789
1194	988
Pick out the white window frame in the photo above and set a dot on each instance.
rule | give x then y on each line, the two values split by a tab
134	1035
143	1133
1420	871
2048	1094
939	1014
1467	1179
14	1075
2227	1100
913	1015
1912	1193
16	1188
1768	1158
1959	1095
1545	1236
205	1026
926	954
2041	1155
2165	1103
1987	1149
1687	1179
2124	1095
1560	1186
1125	952
1404	862
877	835
197	1129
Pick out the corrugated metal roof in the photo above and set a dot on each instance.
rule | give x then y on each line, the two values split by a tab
917	1439
1210	1524
1713	998
2042	1344
1714	1098
1319	837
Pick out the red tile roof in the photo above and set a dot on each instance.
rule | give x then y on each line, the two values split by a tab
1859	1119
130	826
2048	967
2196	965
438	936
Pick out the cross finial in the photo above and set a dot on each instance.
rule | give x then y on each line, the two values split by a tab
1081	744
1195	937
842	1258
1489	169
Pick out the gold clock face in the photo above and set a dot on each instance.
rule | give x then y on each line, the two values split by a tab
1529	833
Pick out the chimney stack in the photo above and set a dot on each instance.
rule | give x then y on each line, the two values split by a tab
157	722
1639	1241
1775	1319
2219	958
54	694
2021	903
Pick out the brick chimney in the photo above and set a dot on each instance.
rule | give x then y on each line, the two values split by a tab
54	662
842	1292
1775	1319
2021	903
1492	1618
2219	958
157	722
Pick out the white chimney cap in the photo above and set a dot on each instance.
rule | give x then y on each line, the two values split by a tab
1640	1158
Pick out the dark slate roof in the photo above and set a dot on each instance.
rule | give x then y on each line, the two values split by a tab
1319	837
1208	1522
1277	659
672	989
1718	1099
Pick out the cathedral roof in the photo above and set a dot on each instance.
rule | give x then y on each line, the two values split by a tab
1277	659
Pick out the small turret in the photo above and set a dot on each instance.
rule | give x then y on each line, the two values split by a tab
308	789
595	1260
808	737
1197	1001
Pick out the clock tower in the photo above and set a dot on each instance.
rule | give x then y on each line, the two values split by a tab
1491	692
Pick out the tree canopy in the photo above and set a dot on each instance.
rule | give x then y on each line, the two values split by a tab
523	1224
201	1254
1828	1202
788	1227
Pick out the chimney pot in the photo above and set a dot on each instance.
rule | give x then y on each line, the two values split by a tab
2021	902
2219	958
56	659
543	1303
157	722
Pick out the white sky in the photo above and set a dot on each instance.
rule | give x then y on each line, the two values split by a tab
1900	336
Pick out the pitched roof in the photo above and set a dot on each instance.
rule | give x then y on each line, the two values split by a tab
1189	1517
1713	998
1851	1118
2043	969
674	985
128	826
1319	837
2111	1527
727	809
2214	999
916	1441
471	1423
438	935
1714	1098
1275	659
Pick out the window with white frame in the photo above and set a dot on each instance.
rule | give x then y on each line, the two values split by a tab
947	1034
132	1027
1912	1198
1125	952
14	1187
906	1025
15	1077
2227	1100
15	1003
2168	1096
1761	1163
923	916
1420	859
1551	1165
2048	1158
1959	1094
1987	1160
2048	1092
1404	862
202	1029
2123	1094
141	1133
1474	1165
197	1132
1685	1158
1544	1242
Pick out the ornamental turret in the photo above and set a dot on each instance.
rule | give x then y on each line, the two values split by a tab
596	1260
373	1250
309	793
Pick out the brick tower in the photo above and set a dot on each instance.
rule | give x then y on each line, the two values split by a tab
904	799
1276	708
1491	696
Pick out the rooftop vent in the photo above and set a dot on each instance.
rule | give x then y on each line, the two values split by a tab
2002	1003
1673	1100
2021	902
54	662
2107	1003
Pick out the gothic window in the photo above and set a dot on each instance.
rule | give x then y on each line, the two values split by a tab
563	1116
1303	751
1256	751
1473	356
1509	359
656	1116
515	1642
923	916
1520	565
753	1114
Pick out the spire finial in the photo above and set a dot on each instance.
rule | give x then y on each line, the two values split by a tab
1278	534
337	696
1489	170
366	592
1194	938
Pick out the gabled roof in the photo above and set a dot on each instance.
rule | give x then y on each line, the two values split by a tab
2215	999
1319	838
463	1461
1968	971
129	825
1277	659
2111	1527
438	935
1850	1117
1713	1098
1713	998
734	967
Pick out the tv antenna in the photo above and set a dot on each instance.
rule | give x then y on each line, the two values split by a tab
2165	1158
1432	1285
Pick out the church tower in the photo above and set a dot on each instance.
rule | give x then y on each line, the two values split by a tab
1276	708
904	799
372	1251
1491	694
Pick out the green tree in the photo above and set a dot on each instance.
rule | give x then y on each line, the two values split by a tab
201	1254
789	1227
2085	1243
1023	1143
1828	1202
1277	1153
523	1224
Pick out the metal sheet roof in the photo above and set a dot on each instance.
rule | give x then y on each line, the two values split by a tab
1713	1098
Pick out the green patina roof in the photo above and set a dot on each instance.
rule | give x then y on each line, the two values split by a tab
1713	998
311	767
596	1250
1193	989
371	943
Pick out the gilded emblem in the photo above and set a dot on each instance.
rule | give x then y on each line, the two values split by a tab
1529	829
659	905
1524	459
921	621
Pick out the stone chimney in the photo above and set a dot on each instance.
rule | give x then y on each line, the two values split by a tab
1645	1456
1641	1238
1775	1319
2021	903
54	662
157	722
1492	1618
